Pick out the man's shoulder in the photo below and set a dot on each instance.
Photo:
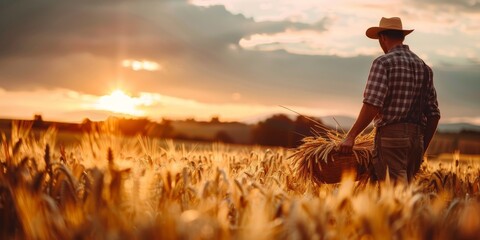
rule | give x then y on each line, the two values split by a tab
396	55
389	56
382	59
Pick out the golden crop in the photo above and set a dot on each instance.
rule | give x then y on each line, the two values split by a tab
113	187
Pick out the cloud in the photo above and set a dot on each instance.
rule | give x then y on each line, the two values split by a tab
472	120
55	48
81	71
73	106
457	88
62	44
318	56
306	42
24	104
345	22
109	28
138	65
458	5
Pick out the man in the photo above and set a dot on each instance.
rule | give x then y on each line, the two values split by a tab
401	99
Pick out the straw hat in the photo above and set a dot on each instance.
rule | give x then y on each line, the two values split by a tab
394	23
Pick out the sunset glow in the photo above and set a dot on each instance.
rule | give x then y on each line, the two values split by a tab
119	102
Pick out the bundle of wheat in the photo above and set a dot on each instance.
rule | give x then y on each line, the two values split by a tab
316	159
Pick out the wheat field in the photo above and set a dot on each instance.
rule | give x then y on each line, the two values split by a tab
114	187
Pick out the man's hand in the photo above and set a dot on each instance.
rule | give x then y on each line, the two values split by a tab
366	115
346	146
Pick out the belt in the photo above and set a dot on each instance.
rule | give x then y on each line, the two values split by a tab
403	127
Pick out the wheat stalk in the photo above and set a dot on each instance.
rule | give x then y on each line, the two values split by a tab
321	148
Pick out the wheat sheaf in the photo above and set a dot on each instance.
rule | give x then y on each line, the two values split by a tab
316	158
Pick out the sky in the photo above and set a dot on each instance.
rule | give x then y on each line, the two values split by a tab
234	59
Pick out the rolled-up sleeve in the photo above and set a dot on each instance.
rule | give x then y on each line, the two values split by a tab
376	88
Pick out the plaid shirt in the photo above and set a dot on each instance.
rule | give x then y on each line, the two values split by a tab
394	85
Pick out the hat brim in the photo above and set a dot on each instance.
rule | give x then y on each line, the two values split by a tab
374	31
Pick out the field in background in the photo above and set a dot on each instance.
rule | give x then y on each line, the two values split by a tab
106	186
277	130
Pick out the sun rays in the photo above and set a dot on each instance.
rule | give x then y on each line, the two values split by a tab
119	102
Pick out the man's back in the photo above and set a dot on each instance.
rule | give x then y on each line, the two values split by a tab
395	85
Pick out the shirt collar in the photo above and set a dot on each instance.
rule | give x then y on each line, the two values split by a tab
402	47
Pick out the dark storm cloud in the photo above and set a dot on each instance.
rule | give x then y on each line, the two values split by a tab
79	44
105	27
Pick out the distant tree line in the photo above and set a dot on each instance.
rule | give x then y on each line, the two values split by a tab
280	130
277	130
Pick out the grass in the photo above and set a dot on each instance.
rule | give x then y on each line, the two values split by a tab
111	187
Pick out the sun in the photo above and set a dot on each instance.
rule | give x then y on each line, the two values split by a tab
119	102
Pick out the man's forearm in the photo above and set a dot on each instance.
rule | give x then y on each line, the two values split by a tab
365	117
432	123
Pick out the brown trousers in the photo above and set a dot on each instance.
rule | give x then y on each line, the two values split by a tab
398	149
